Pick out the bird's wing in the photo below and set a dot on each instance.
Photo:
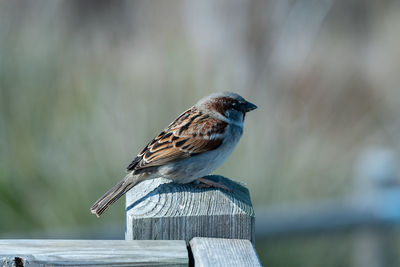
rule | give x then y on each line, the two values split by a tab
192	133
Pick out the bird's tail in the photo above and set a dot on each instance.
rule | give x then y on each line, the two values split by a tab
114	194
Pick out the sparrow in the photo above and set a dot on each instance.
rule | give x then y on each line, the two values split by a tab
191	147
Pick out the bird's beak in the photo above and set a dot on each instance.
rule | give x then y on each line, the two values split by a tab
250	106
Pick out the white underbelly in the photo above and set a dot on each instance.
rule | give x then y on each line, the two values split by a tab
188	170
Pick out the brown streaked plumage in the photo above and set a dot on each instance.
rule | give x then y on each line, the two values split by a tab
192	146
183	138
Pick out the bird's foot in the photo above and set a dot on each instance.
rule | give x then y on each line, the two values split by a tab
206	183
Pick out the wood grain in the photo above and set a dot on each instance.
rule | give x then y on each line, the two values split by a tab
223	252
20	252
159	209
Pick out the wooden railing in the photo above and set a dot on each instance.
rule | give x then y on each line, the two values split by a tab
166	225
181	225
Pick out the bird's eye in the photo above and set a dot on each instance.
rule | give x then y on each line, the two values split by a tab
235	106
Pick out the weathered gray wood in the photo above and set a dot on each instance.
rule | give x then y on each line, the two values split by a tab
223	252
159	209
15	252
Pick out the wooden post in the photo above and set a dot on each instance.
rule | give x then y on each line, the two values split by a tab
159	209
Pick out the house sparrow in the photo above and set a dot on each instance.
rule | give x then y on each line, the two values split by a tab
192	146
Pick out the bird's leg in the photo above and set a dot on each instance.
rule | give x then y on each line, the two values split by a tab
206	183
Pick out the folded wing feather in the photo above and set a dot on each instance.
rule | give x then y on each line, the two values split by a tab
192	133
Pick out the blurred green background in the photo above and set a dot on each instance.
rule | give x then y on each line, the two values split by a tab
85	84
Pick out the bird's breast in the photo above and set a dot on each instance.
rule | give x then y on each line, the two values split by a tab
187	170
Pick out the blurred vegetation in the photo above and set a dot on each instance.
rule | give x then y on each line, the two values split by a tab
307	251
85	84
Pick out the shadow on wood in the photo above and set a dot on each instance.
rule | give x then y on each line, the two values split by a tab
159	209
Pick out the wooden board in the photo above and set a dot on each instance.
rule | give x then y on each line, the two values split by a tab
223	252
93	253
159	209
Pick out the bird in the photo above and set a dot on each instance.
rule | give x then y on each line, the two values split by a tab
194	145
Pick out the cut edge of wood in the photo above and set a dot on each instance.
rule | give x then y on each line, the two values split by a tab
232	252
